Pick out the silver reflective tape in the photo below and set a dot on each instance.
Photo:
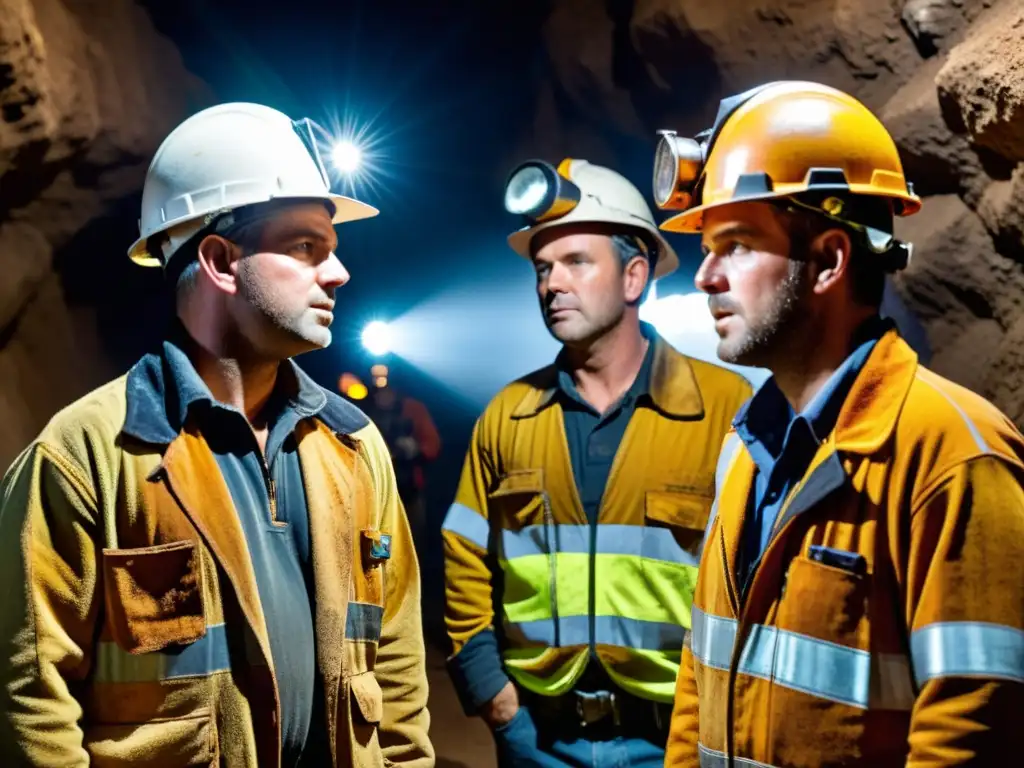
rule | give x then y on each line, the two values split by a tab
634	540
978	439
732	442
467	523
712	758
205	656
827	670
608	630
363	622
969	649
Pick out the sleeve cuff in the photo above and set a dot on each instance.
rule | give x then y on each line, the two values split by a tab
477	671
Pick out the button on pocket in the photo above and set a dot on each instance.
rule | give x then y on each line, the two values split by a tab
518	501
154	596
674	525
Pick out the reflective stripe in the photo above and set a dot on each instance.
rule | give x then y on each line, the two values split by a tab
636	540
467	523
732	443
631	587
827	670
712	758
362	622
205	656
978	439
969	648
608	630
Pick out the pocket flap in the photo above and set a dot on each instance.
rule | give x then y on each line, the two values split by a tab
153	596
520	481
679	510
368	696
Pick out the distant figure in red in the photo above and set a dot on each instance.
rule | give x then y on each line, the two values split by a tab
412	438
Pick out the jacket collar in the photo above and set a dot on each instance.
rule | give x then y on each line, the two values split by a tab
765	422
673	386
868	417
163	386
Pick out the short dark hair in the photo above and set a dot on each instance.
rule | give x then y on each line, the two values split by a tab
629	247
866	268
182	268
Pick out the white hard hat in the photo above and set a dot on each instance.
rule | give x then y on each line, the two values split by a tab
229	156
595	194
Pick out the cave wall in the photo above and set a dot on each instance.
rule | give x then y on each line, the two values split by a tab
88	89
945	76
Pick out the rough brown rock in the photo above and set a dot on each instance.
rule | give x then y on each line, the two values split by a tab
965	293
936	24
1003	383
937	160
1002	210
88	89
51	355
945	76
658	61
582	41
982	83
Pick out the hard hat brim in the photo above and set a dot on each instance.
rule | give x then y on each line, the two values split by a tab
691	221
668	260
345	209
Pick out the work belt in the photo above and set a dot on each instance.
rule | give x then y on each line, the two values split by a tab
599	715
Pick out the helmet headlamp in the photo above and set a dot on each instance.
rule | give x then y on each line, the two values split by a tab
539	192
678	162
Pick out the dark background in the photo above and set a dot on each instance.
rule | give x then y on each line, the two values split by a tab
446	92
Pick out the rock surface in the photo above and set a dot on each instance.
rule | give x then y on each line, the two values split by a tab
88	89
982	83
946	77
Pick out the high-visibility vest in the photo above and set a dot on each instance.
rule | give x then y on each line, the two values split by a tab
619	590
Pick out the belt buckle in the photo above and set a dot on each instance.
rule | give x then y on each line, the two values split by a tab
592	707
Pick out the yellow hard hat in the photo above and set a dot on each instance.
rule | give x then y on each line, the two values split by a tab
579	191
784	139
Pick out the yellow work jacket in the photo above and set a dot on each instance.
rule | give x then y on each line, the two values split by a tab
905	650
564	589
131	625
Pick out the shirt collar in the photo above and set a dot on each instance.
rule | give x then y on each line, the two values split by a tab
164	386
672	385
767	416
641	384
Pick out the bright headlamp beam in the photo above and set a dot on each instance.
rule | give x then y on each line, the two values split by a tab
377	338
346	156
526	190
538	192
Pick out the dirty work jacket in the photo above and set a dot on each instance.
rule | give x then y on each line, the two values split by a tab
131	627
902	642
566	590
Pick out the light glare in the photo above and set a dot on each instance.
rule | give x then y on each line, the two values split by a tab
377	338
347	157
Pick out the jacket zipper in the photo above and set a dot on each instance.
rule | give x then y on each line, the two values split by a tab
592	601
271	488
549	525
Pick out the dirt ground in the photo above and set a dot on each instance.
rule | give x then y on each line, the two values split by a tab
460	741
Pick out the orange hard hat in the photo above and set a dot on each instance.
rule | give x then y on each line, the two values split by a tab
790	139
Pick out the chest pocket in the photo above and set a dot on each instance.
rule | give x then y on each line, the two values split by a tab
153	596
827	602
519	500
156	636
674	526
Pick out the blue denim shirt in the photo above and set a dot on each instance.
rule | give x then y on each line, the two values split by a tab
279	546
782	442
